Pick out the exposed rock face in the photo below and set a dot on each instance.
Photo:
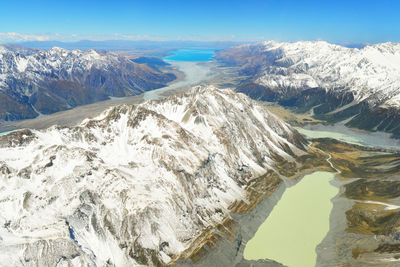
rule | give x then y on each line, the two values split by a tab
139	184
35	81
334	81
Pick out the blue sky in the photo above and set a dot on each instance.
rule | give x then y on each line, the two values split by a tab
353	21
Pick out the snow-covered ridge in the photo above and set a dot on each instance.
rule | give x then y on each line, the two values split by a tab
51	60
59	79
134	181
371	73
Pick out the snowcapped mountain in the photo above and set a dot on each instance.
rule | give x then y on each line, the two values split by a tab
341	81
137	184
44	81
372	73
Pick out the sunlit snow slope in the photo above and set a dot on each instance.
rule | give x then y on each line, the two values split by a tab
333	81
46	81
136	184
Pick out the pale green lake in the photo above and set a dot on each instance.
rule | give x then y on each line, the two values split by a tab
323	134
343	133
297	224
300	220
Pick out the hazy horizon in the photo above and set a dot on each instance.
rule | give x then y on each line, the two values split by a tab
169	45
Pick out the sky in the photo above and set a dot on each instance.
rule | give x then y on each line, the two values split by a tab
351	21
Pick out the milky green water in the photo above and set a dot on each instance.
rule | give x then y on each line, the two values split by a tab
343	133
297	224
323	134
3	133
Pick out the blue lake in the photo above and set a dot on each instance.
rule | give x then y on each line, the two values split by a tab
191	55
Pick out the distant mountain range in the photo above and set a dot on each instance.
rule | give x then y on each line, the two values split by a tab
34	81
125	45
332	82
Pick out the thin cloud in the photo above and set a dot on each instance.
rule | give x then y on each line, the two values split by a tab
23	37
15	37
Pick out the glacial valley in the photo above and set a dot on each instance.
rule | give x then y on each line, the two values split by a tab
188	174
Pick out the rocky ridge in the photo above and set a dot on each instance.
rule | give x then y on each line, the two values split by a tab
138	185
331	81
35	82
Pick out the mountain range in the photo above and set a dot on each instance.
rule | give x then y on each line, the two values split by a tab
139	184
162	182
332	82
35	82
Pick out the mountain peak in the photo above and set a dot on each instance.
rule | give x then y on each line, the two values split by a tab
331	81
370	72
58	79
143	172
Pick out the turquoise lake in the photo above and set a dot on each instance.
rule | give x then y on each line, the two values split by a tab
192	55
